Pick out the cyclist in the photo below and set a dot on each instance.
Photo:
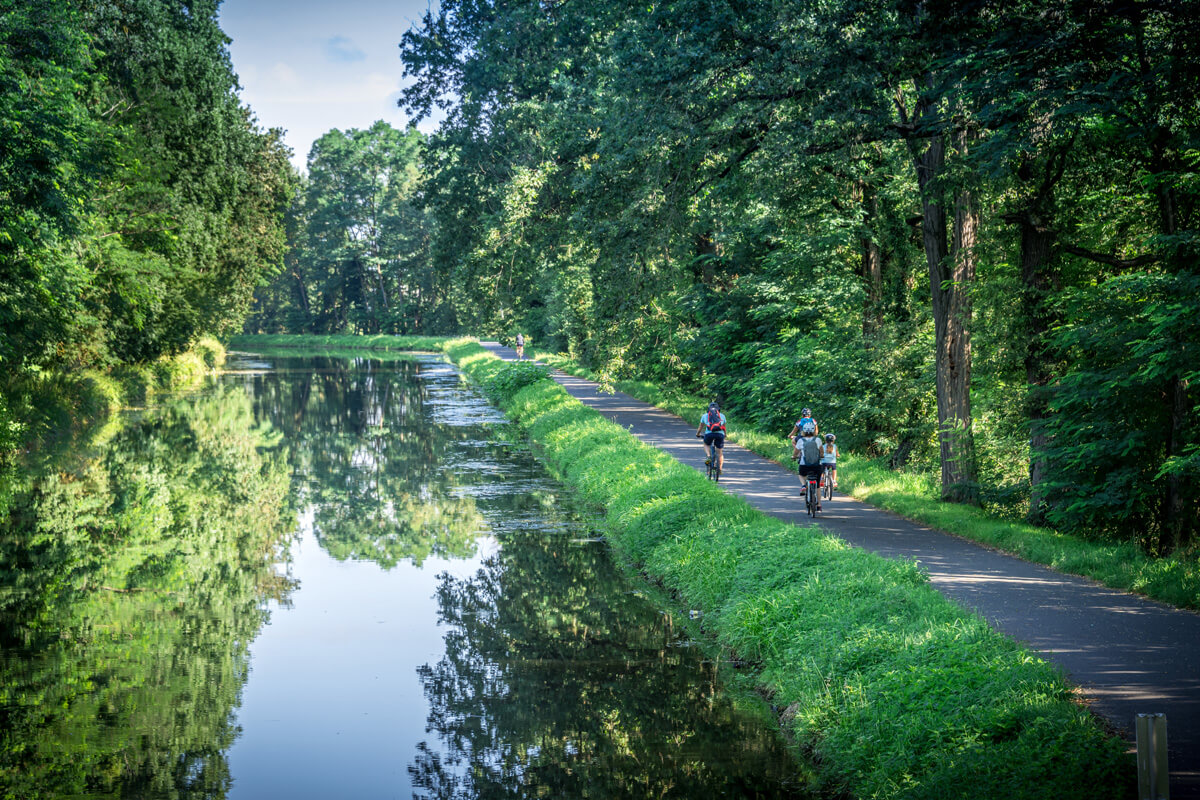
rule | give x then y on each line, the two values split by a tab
807	452
520	346
806	418
712	430
829	453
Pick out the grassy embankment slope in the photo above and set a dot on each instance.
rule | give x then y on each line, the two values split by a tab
893	690
1124	566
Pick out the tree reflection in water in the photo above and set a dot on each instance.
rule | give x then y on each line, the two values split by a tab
376	471
560	682
133	578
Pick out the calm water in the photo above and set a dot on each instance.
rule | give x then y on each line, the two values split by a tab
341	577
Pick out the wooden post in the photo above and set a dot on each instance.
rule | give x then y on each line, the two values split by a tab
1153	775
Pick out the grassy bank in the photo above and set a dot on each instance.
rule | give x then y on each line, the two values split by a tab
892	690
48	404
1124	566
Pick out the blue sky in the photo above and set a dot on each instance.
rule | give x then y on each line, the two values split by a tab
308	66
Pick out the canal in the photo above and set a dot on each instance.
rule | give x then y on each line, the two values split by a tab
337	576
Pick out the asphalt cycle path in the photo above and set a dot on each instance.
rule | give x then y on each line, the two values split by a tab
1128	655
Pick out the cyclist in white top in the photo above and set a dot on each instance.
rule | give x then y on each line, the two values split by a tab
829	454
807	452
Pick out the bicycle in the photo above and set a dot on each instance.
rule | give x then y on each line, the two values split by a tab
812	495
712	463
827	490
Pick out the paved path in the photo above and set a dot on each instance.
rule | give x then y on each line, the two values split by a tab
1129	655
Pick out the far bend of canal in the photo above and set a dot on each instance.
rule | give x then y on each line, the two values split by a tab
342	577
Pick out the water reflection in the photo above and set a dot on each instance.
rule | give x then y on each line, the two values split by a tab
375	465
559	682
132	581
457	629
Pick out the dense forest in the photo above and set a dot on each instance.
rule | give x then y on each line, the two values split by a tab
964	233
140	203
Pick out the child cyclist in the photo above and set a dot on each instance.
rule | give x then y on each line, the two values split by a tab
807	452
712	429
829	454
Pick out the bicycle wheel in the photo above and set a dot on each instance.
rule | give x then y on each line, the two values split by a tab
828	484
811	499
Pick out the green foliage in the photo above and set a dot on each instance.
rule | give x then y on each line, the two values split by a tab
131	584
1111	445
897	691
503	385
726	200
141	204
381	342
358	257
11	431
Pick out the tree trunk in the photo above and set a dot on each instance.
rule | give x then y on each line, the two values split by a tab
871	262
1176	526
706	255
1037	242
302	299
950	274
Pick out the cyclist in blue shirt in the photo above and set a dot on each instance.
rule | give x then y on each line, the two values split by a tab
806	418
712	429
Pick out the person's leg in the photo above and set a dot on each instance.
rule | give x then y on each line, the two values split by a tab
719	443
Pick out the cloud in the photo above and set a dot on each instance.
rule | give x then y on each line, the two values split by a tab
342	50
283	75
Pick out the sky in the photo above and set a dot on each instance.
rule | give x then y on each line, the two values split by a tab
309	66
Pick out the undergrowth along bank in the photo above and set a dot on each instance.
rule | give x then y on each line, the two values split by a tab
892	690
44	409
1122	565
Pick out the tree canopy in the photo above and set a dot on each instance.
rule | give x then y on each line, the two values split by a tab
140	203
964	233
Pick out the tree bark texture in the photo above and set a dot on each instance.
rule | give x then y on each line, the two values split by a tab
951	271
1037	279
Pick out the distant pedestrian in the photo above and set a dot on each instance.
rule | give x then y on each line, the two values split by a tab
520	346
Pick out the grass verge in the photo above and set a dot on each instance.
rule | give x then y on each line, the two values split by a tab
1174	580
893	691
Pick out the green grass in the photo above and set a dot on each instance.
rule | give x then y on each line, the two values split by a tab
890	689
1174	580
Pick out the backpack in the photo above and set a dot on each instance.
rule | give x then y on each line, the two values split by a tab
713	422
811	450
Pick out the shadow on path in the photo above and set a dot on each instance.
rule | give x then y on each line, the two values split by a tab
1128	654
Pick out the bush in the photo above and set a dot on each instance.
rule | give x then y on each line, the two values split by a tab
513	378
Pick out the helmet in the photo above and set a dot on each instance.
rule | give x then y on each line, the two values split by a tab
829	437
714	406
809	429
806	412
